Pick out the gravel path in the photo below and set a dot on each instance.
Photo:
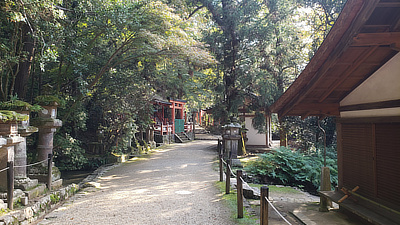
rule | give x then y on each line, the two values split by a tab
173	186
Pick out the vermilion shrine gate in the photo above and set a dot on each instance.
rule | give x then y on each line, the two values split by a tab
170	117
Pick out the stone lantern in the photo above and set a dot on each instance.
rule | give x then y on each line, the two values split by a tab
24	130
9	137
231	138
47	124
22	181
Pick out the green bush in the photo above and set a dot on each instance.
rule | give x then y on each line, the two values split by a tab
54	198
11	116
288	167
19	106
68	154
50	100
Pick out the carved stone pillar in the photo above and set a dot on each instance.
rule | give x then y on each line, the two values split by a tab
22	181
47	124
24	130
231	140
7	155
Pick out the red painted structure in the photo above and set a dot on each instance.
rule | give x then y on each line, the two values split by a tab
169	116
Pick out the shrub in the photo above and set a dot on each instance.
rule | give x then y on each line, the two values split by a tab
68	154
50	100
54	198
11	116
19	105
288	167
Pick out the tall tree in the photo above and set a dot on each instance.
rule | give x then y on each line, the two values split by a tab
22	24
230	17
322	15
259	45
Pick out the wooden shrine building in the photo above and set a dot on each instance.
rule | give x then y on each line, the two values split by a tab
355	76
169	116
254	137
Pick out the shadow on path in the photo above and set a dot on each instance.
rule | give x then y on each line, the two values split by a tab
173	186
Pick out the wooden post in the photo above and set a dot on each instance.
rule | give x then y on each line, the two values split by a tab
194	126
173	117
221	167
169	138
49	170
239	186
10	185
228	177
264	205
325	186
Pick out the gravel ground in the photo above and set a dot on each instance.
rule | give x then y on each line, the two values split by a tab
173	186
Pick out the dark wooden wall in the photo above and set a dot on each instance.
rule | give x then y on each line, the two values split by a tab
369	157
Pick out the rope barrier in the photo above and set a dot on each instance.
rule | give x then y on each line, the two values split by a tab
33	164
234	175
2	170
244	182
273	207
230	168
224	161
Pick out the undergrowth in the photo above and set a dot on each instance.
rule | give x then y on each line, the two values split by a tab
4	211
277	189
231	201
293	168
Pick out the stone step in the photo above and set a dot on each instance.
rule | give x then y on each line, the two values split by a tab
182	138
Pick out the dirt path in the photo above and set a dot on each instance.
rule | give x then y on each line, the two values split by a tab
173	186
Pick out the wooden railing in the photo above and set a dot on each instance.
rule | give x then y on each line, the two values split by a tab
163	129
10	177
264	198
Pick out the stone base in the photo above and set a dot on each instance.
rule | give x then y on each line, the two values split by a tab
56	184
236	162
17	195
25	183
39	172
3	205
43	179
35	192
39	208
153	144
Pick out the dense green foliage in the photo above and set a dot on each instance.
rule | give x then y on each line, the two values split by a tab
305	134
290	167
262	46
49	100
11	116
69	154
18	105
106	59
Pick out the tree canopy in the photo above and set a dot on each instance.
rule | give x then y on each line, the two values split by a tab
107	59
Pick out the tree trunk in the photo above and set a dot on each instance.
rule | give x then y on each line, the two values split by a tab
268	141
283	135
227	20
25	66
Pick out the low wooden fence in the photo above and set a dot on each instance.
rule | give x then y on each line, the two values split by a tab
10	177
264	197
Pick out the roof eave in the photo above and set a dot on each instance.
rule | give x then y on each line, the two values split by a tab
350	21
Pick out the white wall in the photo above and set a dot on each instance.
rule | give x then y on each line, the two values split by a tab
254	138
383	85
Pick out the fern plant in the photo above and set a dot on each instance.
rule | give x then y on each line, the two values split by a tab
289	167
